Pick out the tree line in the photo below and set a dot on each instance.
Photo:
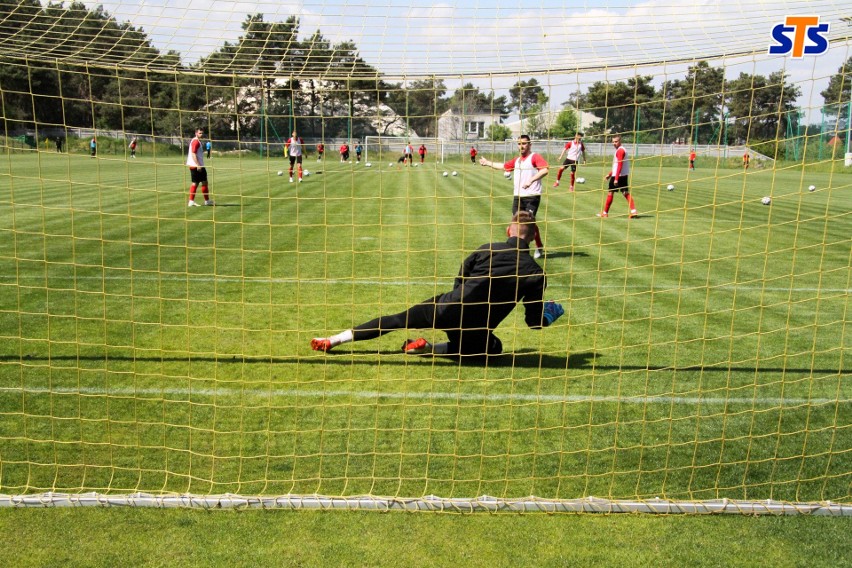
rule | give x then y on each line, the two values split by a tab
91	71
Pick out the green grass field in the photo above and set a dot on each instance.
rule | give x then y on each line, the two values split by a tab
147	346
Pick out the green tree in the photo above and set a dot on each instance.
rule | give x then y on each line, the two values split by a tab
566	124
837	96
498	132
694	104
419	104
470	100
760	106
526	94
537	120
621	106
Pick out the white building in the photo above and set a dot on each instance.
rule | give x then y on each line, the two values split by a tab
455	126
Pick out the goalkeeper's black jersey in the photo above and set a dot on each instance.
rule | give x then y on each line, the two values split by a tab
490	282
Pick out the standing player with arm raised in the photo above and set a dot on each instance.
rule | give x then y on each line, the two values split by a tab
293	149
575	149
618	178
530	168
491	281
197	172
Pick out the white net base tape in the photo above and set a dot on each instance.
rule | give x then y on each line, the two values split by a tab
484	503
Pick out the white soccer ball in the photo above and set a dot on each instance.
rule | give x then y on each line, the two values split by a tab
507	175
455	173
350	161
280	173
446	174
766	200
670	187
416	165
306	173
390	165
368	165
811	188
581	180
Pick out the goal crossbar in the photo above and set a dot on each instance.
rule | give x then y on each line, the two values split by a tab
482	504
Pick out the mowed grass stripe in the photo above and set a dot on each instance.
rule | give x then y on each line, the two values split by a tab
690	331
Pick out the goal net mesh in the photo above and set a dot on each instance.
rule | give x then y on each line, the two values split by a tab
151	350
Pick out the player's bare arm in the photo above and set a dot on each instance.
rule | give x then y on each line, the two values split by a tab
489	164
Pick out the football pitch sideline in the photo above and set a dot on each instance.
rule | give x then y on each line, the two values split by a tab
147	346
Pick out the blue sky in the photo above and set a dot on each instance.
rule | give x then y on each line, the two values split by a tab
494	43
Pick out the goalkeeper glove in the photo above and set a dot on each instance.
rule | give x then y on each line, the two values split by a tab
552	312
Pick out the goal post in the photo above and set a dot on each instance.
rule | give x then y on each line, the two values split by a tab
391	148
235	336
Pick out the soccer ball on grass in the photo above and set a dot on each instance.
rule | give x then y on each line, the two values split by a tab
811	188
280	173
446	174
581	180
670	187
766	200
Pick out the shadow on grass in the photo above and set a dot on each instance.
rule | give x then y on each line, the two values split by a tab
565	254
521	359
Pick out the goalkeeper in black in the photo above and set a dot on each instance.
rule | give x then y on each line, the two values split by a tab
491	281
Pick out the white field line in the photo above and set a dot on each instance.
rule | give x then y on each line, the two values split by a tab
435	282
186	393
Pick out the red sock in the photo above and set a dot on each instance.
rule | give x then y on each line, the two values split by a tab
192	192
291	171
205	192
300	172
608	202
630	202
538	242
572	178
559	174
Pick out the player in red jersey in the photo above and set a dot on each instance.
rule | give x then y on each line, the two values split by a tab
197	172
344	152
618	178
574	150
692	159
293	149
530	168
473	155
422	152
320	151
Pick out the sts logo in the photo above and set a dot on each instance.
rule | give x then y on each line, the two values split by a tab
801	27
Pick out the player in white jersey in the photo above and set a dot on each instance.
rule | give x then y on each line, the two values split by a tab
575	149
618	178
293	149
530	168
197	172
